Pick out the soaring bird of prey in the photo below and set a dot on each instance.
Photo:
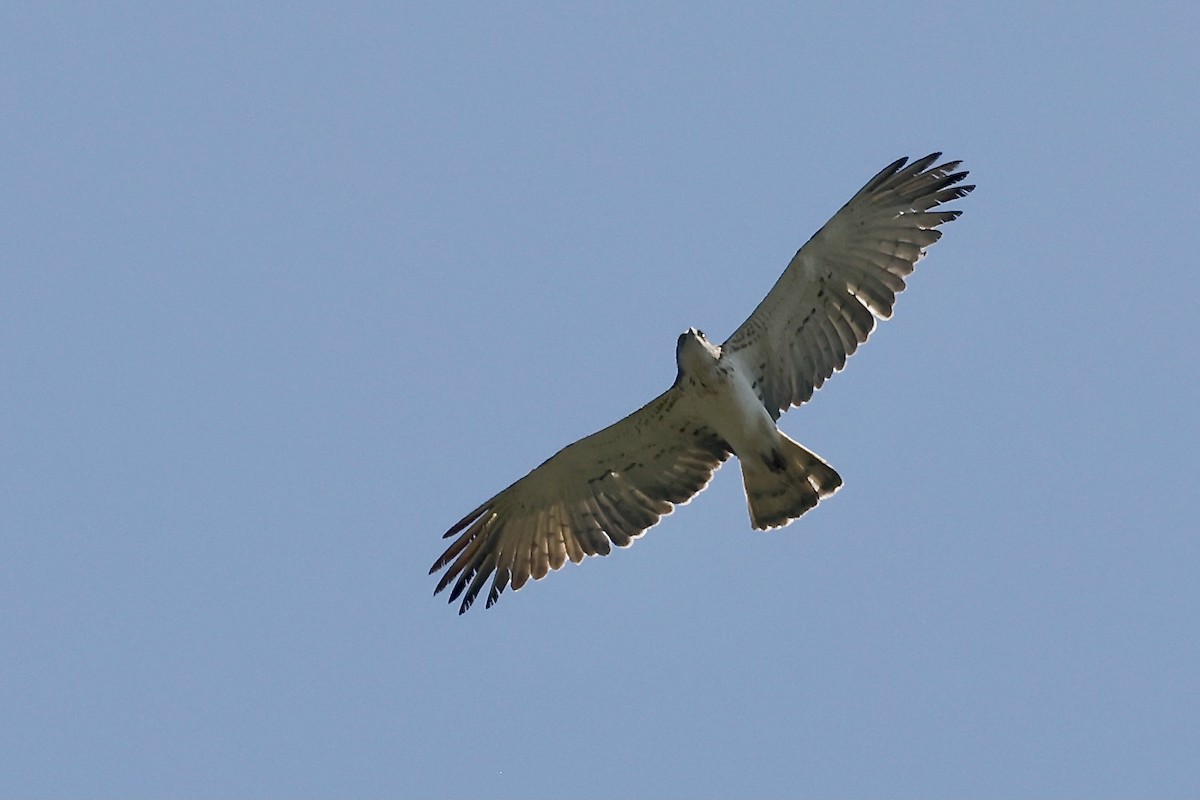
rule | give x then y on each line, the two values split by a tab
609	488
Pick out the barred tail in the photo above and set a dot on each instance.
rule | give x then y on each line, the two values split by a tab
786	485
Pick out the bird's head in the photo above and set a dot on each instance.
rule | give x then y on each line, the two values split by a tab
694	354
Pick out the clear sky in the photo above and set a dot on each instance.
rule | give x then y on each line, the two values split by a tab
287	290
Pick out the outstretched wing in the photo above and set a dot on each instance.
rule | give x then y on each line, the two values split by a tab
602	490
825	303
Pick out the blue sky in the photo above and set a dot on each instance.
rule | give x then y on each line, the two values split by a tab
286	292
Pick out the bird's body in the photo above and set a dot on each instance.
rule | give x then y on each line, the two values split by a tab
781	478
718	393
608	488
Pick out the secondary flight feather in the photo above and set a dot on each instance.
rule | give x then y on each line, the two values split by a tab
608	488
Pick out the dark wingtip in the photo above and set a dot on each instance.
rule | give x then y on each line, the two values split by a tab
468	601
887	172
921	164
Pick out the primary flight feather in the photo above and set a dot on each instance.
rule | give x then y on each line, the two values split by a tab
609	488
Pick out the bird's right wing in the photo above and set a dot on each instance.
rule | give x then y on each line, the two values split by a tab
825	303
607	488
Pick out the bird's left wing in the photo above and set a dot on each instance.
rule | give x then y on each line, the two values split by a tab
825	303
605	489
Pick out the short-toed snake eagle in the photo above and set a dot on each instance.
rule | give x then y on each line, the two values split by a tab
609	488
